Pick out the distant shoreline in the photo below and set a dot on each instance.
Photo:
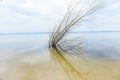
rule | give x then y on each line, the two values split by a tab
30	33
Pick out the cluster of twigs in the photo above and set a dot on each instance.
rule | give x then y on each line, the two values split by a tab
67	53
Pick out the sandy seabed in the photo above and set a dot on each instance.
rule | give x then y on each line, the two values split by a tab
40	67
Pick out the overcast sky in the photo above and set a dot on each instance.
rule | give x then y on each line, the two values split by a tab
39	15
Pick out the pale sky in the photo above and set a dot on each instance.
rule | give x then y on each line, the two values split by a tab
39	15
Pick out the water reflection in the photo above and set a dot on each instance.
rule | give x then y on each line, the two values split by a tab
26	57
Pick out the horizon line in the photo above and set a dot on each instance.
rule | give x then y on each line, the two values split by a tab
12	33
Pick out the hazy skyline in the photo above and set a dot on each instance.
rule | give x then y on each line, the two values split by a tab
39	15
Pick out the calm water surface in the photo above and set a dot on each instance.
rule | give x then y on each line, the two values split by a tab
98	45
26	56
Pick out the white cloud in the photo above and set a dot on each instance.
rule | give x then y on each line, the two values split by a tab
26	16
39	15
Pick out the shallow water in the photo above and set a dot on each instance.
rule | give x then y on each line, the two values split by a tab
26	57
